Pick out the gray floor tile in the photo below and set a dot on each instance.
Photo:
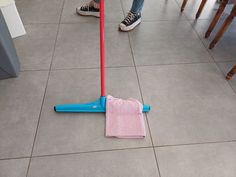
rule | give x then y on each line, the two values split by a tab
166	43
226	67
66	133
164	10
125	163
198	160
39	11
13	168
21	99
35	49
191	103
78	46
225	48
113	12
192	7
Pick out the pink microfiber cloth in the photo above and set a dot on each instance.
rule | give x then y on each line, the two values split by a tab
124	118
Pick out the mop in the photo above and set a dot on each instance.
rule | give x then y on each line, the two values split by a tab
100	104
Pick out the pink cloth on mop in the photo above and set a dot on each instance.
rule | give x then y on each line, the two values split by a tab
124	118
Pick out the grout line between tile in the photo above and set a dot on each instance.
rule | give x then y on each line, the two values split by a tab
39	23
28	70
110	67
228	61
36	132
212	57
149	129
132	53
107	67
144	20
119	149
192	144
156	159
37	125
15	158
176	64
78	22
89	152
136	72
122	7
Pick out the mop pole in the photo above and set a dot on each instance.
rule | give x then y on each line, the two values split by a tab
102	48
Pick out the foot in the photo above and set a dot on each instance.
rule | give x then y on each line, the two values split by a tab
89	9
130	21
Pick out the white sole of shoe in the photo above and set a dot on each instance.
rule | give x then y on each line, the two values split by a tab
87	13
131	27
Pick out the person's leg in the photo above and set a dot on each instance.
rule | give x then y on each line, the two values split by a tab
137	6
89	9
134	16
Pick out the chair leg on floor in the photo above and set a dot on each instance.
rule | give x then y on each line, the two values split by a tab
216	18
224	27
183	5
200	8
231	73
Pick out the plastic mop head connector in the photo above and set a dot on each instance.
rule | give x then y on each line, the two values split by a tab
96	106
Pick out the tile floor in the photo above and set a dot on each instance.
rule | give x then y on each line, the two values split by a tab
191	129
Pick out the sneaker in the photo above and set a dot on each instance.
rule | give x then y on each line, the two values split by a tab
89	9
130	21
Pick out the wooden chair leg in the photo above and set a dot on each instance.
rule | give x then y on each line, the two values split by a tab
231	73
216	18
224	27
183	5
200	8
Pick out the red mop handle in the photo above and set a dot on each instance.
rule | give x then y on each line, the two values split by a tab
102	48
